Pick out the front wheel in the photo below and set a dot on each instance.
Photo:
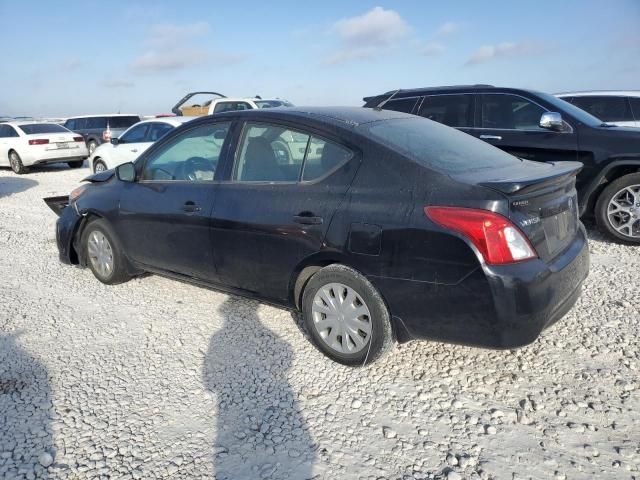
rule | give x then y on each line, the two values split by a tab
346	317
618	209
75	164
104	254
16	163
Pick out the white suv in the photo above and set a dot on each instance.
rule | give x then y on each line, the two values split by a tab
620	108
208	103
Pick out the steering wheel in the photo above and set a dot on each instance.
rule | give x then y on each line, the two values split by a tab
193	165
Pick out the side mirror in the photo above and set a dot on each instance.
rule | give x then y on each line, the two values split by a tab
126	172
115	141
551	121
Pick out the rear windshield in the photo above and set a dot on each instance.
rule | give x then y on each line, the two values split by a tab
437	146
122	122
38	128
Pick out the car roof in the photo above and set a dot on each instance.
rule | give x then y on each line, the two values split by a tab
600	93
175	121
252	99
345	117
105	115
31	122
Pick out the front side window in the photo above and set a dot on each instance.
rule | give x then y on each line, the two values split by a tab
510	112
606	108
230	106
404	105
270	153
452	110
192	156
136	134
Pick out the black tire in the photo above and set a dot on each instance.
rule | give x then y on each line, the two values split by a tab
91	146
16	163
118	272
99	162
76	164
380	340
602	218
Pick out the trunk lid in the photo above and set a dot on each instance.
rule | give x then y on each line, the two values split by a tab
542	201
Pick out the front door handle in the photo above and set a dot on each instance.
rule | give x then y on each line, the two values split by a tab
190	207
307	218
134	150
490	137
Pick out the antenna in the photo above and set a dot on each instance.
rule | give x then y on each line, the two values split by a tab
383	103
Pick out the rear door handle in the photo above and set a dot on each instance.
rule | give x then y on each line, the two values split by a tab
135	150
490	137
307	219
190	207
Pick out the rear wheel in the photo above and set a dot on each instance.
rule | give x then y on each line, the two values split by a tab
618	209
91	146
76	164
16	163
346	317
99	166
104	254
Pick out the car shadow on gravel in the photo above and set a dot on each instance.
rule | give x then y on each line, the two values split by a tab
25	413
261	432
12	185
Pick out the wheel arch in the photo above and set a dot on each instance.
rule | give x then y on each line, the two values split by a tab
613	171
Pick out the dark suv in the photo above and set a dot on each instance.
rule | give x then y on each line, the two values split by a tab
541	127
97	129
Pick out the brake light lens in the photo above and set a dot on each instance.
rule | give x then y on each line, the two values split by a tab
39	141
498	240
78	139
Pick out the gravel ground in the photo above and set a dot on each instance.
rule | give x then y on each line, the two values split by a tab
158	379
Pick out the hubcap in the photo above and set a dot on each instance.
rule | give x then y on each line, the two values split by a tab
623	211
92	147
100	167
14	161
100	253
341	318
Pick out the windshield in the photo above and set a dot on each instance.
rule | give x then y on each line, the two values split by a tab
572	110
39	128
273	103
437	146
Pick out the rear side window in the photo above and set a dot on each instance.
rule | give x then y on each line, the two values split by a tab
230	106
405	105
606	108
510	112
436	146
271	153
7	131
41	128
635	106
452	110
122	122
95	123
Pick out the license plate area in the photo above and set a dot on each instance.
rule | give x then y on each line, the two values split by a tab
560	226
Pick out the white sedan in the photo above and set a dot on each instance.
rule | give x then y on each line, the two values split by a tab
23	144
135	140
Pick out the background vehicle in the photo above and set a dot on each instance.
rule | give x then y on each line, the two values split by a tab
23	144
620	108
376	225
208	103
97	129
541	127
135	140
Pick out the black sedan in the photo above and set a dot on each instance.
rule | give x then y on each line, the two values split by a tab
379	226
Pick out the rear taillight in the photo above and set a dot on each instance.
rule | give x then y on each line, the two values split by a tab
106	135
78	139
496	238
39	141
